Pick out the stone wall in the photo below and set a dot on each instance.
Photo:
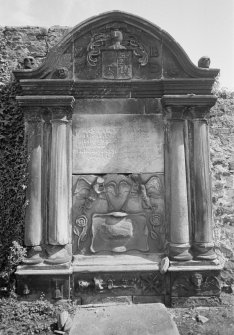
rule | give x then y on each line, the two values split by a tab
222	168
16	43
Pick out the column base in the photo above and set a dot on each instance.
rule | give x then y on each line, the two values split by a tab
204	251
33	256
57	254
180	252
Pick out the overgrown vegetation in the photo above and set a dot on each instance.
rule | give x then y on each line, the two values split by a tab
34	317
13	179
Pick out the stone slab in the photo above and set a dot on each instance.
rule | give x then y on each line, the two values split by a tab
112	263
118	143
45	269
149	319
195	265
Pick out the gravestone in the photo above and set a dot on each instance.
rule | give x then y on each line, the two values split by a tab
117	134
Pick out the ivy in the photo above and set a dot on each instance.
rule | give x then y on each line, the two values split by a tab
13	176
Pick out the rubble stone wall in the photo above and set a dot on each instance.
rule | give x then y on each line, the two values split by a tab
16	43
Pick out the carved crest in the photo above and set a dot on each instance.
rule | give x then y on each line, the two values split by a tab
117	64
117	50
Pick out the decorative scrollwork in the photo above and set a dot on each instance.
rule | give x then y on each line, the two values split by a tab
138	50
80	228
94	47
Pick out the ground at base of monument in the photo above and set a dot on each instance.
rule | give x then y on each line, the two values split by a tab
39	317
144	319
217	320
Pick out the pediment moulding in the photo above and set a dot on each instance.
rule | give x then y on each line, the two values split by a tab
121	47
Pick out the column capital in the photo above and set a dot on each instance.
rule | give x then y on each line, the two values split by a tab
33	115
57	107
190	106
61	101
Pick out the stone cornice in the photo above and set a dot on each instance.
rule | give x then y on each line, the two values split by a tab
180	107
189	100
45	101
116	89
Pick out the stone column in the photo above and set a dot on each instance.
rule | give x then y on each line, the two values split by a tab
59	225
49	191
33	232
176	177
196	108
201	186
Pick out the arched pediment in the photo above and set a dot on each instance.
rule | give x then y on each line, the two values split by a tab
117	46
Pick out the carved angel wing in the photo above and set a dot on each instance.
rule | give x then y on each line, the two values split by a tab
82	188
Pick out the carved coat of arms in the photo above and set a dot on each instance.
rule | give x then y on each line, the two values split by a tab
116	54
117	64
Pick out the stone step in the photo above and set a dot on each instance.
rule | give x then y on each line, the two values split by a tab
144	319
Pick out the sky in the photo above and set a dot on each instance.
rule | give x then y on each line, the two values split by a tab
201	27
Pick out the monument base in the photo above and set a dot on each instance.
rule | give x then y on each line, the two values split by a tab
51	282
89	280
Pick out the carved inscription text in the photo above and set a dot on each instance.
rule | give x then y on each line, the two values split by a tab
117	143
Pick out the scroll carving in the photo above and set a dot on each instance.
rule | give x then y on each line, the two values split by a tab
97	42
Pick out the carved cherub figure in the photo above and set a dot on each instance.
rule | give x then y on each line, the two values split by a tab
29	63
196	280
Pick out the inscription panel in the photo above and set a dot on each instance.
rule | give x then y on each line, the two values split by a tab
118	143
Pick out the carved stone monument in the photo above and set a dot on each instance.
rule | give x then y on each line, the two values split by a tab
117	134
